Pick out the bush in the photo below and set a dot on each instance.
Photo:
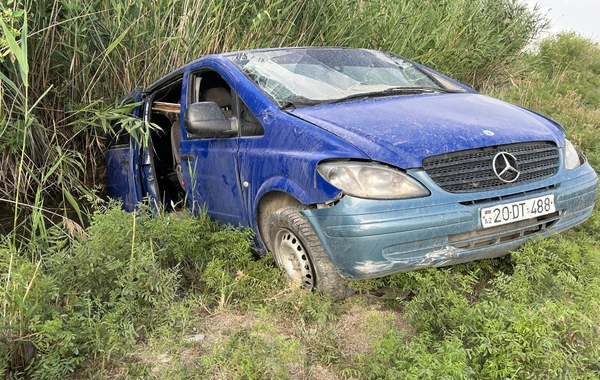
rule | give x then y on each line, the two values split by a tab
575	61
538	316
91	300
569	52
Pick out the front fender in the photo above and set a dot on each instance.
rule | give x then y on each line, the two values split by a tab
280	184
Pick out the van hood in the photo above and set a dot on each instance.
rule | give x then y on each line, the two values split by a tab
403	130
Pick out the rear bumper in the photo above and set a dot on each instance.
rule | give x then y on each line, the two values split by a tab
373	238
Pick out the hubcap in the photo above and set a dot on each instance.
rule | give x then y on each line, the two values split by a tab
293	258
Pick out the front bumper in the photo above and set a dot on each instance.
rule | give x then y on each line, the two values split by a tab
367	238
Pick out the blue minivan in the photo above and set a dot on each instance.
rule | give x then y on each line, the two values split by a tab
350	163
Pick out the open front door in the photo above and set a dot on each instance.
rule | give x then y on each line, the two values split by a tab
122	160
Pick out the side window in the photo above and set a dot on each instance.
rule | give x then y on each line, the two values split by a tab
165	105
209	86
249	124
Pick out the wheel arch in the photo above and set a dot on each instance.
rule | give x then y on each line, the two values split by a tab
273	195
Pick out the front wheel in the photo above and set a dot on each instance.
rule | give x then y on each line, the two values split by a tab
298	251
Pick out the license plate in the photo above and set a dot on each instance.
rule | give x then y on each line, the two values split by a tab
515	211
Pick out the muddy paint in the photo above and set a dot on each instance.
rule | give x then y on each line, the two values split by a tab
363	238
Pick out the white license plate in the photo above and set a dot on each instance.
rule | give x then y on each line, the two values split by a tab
515	211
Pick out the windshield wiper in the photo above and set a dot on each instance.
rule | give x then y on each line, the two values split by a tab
388	92
297	101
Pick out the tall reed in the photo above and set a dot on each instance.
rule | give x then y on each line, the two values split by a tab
88	52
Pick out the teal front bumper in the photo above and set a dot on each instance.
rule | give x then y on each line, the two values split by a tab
367	238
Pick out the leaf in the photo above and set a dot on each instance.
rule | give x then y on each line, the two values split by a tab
74	204
19	53
116	42
10	83
40	98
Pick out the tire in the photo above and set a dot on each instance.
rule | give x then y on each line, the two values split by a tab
298	251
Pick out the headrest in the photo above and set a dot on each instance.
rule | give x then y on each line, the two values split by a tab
219	95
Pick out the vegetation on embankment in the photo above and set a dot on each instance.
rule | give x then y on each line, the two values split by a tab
134	296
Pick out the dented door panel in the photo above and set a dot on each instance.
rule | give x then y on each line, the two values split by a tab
210	173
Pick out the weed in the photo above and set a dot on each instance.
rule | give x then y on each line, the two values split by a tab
257	353
97	298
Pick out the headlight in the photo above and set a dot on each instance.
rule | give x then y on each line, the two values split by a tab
572	159
370	180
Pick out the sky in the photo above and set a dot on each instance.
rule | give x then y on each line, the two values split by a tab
582	16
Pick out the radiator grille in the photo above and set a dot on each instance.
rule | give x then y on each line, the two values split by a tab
472	170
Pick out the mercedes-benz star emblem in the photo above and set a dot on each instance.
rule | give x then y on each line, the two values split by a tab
506	167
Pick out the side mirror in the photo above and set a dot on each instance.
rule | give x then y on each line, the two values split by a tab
205	119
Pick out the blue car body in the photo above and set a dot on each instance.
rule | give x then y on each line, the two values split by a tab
233	176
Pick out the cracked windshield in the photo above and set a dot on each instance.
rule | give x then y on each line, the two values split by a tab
305	77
